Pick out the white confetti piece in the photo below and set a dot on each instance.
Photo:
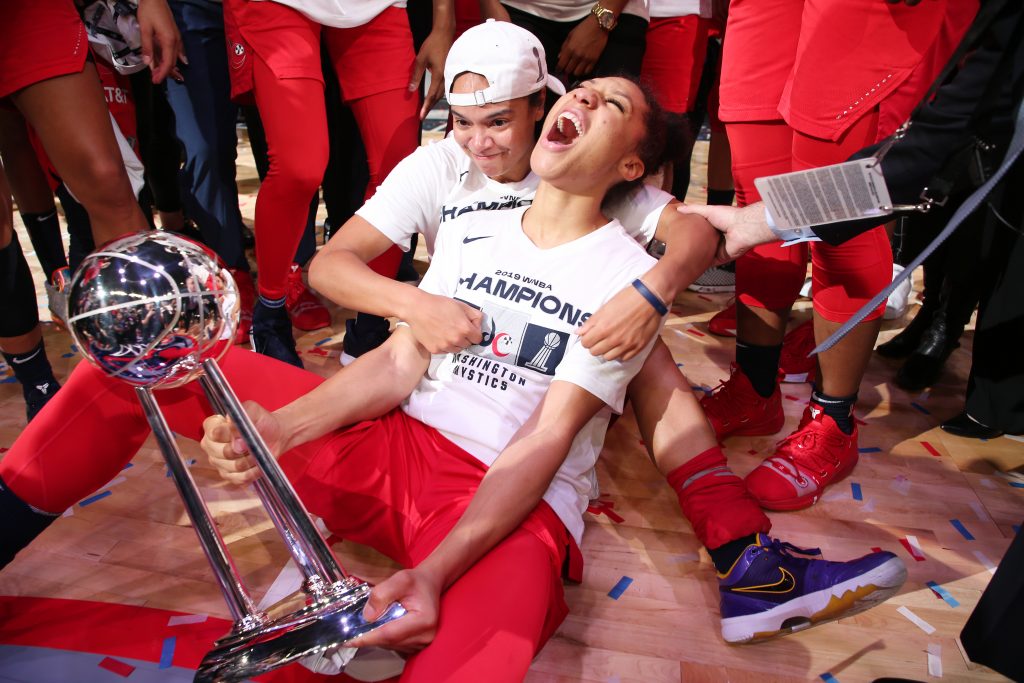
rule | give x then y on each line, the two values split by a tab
916	545
869	505
935	660
916	620
900	485
1014	437
114	482
68	512
685	557
183	619
985	562
987	483
286	583
979	510
971	666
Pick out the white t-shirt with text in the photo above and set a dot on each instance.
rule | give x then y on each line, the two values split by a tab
533	300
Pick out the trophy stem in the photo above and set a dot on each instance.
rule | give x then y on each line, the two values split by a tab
243	610
306	545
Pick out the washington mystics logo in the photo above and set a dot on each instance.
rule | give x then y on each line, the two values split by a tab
510	338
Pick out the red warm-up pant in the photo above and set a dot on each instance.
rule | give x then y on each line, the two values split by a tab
845	277
275	53
392	483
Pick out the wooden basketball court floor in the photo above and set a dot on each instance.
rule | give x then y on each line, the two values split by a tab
954	502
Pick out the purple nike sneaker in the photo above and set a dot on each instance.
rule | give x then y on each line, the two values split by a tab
770	591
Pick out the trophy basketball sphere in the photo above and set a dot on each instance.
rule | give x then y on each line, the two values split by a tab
149	308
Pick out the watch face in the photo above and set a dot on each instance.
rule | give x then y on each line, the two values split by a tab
606	19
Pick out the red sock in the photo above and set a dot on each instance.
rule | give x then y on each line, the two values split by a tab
715	500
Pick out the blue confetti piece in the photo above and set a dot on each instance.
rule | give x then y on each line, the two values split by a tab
1017	484
959	526
167	652
131	464
67	355
857	495
871	449
921	408
9	380
620	588
1016	528
828	678
679	365
74	349
943	593
92	499
323	341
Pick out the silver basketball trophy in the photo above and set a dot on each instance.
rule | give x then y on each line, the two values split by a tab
157	311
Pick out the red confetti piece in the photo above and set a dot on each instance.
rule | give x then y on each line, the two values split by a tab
876	550
911	550
604	507
694	332
936	593
120	668
318	352
752	452
3	449
791	397
931	449
701	296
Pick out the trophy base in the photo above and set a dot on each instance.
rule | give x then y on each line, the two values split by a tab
313	629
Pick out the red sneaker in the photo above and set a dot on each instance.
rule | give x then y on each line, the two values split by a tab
816	455
246	300
736	409
796	367
305	310
723	323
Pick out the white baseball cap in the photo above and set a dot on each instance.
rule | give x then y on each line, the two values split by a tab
509	57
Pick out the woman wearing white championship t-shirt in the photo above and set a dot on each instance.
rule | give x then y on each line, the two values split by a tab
484	545
485	166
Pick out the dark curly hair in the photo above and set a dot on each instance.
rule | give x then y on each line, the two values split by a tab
665	136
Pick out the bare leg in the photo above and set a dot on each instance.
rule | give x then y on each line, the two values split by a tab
760	326
671	420
843	366
71	118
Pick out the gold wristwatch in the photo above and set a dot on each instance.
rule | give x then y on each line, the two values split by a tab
606	18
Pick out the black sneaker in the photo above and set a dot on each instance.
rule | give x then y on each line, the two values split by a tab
272	334
38	395
362	334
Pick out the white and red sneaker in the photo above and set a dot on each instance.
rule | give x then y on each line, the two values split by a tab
805	463
736	409
305	310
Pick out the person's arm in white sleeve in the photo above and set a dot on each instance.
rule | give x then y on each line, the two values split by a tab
340	271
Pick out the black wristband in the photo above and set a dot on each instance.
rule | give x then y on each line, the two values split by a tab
651	297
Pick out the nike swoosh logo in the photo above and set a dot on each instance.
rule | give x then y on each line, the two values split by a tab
785	584
467	240
19	361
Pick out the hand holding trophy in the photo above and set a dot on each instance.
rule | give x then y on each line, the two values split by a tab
157	311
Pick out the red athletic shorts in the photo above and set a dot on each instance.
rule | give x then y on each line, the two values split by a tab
378	55
821	64
674	60
39	39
